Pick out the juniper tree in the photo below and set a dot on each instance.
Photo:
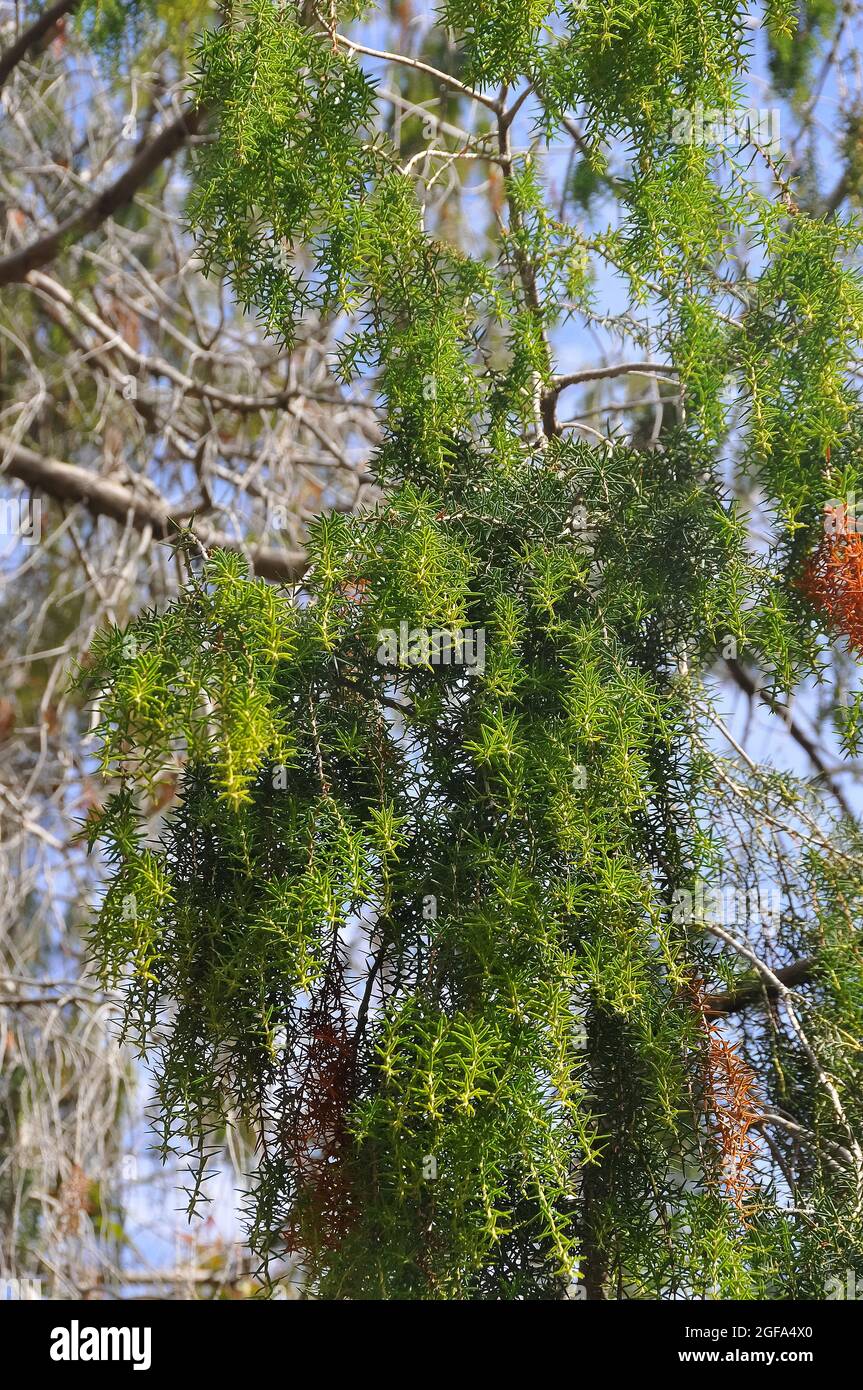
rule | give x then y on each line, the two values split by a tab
435	929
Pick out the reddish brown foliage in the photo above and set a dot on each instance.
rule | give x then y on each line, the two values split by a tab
833	582
729	1097
728	1093
317	1134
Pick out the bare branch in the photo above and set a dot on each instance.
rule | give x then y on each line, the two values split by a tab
560	383
69	483
16	266
30	37
445	78
733	1001
751	687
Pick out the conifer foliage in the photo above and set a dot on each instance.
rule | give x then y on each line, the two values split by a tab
417	922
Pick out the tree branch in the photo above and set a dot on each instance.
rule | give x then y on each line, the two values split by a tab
14	267
159	366
445	78
68	483
752	687
733	1001
28	39
560	383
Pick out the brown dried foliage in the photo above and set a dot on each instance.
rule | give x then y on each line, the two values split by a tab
728	1089
833	581
316	1125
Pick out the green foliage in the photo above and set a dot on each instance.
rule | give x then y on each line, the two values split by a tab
799	338
125	32
500	36
793	49
412	912
631	63
161	698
